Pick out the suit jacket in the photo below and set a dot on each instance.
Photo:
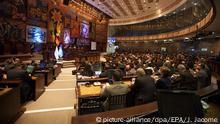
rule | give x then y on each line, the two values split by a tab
164	83
202	78
144	89
187	81
17	74
27	84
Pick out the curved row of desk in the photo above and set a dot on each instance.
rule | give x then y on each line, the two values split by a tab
145	109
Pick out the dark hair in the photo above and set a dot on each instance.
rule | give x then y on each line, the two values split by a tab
165	71
148	71
116	75
203	66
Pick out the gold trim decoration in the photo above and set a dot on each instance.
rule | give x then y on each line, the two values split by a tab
204	22
156	14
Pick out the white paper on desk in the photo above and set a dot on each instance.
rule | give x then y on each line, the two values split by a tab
86	77
107	84
81	83
133	81
97	83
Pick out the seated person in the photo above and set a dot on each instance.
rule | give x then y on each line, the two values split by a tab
144	87
201	77
8	65
34	63
165	80
117	88
130	70
51	63
185	79
27	85
42	65
88	71
30	69
121	68
2	72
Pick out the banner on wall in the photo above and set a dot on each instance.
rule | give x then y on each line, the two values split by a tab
84	30
75	29
14	9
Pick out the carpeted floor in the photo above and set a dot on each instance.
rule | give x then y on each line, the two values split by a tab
56	105
213	112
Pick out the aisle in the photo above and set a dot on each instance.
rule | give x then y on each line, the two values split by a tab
56	105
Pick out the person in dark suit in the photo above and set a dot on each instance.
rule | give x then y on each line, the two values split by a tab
165	81
27	85
88	70
186	80
201	77
144	88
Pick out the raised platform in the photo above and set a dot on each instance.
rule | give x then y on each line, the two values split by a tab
67	64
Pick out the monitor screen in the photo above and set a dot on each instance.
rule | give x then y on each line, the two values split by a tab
97	73
179	104
36	34
30	68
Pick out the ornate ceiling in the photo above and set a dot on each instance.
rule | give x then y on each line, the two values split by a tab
125	12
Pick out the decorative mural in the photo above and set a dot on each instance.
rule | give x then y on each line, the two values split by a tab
13	9
55	30
55	25
44	26
75	29
37	9
12	31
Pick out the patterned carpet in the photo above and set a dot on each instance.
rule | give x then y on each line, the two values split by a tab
213	111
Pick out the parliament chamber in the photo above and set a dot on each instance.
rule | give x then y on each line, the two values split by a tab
109	61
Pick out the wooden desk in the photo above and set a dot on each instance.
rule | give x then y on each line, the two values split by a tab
91	90
88	91
10	83
207	90
120	113
92	80
215	68
10	105
48	76
145	109
57	70
39	81
102	80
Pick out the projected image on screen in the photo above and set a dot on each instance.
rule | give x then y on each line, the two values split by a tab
66	35
36	34
84	30
111	45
